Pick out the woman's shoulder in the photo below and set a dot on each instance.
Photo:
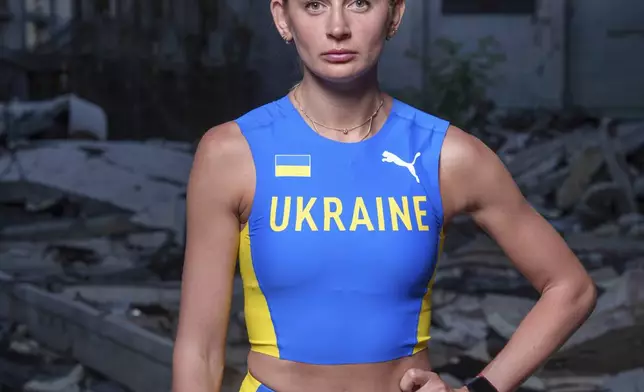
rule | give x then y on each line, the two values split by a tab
222	142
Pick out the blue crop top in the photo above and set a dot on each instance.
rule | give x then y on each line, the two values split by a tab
339	253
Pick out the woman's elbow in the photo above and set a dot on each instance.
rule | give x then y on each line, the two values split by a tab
580	295
187	350
588	296
196	368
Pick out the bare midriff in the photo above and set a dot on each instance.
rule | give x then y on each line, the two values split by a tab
288	376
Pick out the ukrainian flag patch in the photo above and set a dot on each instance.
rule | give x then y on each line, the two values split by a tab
292	165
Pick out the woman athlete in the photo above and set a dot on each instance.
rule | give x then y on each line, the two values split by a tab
334	199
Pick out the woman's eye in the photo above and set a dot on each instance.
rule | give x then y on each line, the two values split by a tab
361	5
313	5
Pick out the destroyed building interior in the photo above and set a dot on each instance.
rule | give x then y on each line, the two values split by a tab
92	224
91	247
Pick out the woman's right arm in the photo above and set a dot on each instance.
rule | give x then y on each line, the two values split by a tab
218	180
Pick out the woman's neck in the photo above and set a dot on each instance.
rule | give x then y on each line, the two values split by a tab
341	106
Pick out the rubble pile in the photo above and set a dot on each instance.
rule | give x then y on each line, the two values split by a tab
92	236
27	366
88	221
102	220
580	178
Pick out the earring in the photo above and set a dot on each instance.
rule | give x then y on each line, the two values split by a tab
390	36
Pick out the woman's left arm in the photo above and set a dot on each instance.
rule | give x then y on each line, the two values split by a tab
567	292
475	181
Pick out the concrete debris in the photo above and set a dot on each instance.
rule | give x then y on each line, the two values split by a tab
67	116
570	383
504	313
143	180
459	330
535	384
630	381
101	340
66	383
92	239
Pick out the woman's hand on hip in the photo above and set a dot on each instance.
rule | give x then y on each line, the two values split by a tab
418	380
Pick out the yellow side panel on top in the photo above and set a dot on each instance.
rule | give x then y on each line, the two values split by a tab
261	332
425	317
250	384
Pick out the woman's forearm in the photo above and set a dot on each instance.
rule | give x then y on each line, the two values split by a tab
557	314
196	372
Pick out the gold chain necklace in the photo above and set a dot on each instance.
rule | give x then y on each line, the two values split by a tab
343	130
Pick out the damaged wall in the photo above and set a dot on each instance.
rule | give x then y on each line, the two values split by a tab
11	32
556	57
607	55
533	73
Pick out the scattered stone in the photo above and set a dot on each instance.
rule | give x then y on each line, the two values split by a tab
630	381
101	225
65	383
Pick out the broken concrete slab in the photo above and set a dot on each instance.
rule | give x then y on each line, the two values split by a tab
605	277
108	344
582	169
534	383
459	330
66	383
638	187
603	201
164	293
627	293
629	381
26	257
504	313
70	228
483	246
618	247
61	117
146	180
543	168
621	307
617	166
573	383
148	240
150	160
533	156
621	345
479	351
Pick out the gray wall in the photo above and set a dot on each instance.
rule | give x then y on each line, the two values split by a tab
12	30
532	74
607	56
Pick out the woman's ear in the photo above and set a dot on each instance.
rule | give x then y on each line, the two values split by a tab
280	18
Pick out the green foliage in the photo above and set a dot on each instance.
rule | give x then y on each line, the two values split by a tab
456	81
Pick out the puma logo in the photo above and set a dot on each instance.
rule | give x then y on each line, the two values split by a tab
392	158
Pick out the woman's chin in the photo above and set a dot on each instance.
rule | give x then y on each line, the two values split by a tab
340	73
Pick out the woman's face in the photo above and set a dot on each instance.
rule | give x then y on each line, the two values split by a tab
338	40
